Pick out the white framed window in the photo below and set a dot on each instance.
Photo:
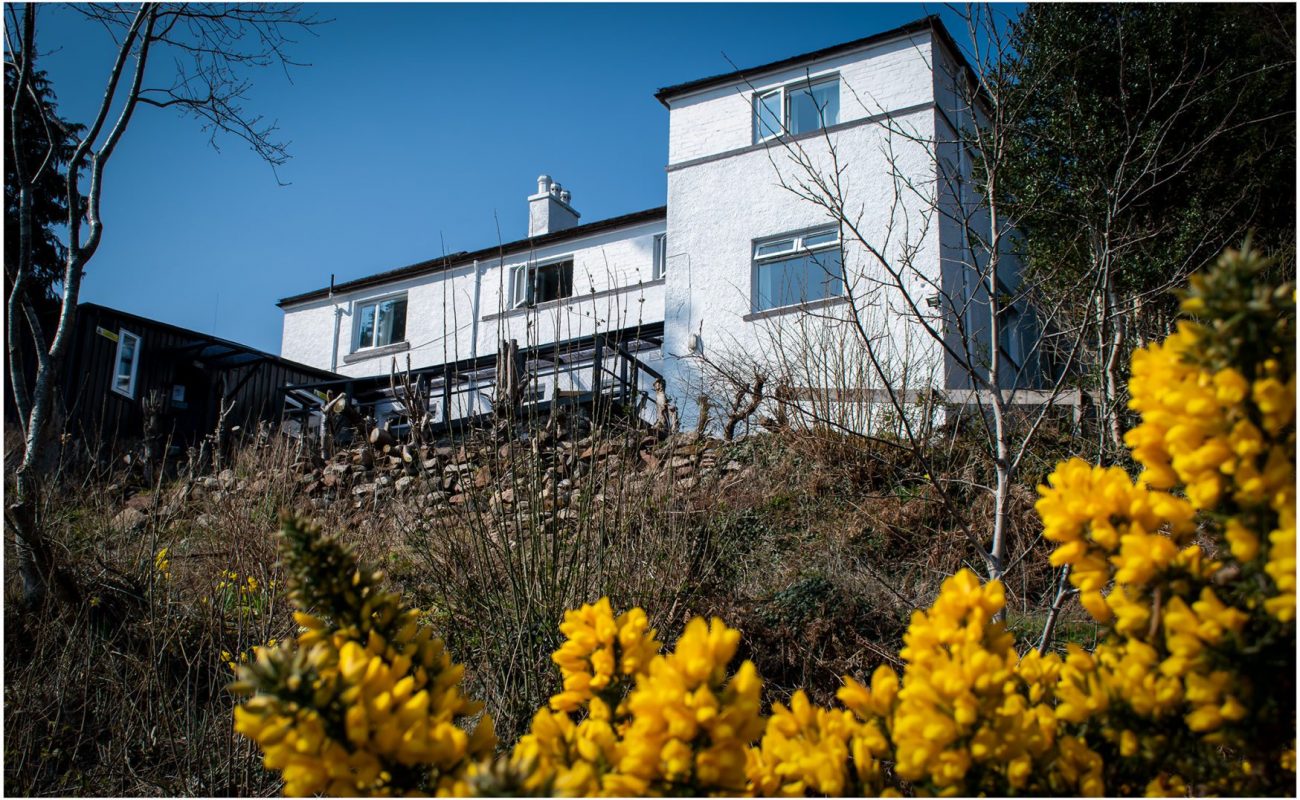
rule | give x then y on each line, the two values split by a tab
540	283
660	256
798	268
797	108
381	322
126	364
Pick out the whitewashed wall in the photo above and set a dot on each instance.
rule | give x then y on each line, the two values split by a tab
724	193
613	288
892	141
885	77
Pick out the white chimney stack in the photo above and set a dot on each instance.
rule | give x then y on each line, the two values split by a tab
549	210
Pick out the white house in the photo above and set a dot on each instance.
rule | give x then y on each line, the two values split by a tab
738	268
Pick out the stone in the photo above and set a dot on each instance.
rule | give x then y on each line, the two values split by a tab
129	520
403	483
143	501
363	490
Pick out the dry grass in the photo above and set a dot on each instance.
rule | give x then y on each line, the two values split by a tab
816	547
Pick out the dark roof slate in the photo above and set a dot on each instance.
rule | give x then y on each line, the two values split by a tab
211	341
930	23
456	259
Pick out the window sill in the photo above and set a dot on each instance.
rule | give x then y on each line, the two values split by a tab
550	304
813	305
375	352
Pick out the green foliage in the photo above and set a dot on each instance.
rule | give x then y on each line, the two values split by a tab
49	206
1160	131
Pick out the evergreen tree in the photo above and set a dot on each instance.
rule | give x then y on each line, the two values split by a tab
53	139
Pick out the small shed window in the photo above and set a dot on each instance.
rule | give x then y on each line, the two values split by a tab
126	364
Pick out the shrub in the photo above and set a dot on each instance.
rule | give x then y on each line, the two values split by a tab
1189	570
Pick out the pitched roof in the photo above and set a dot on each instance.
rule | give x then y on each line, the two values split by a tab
463	257
931	23
220	353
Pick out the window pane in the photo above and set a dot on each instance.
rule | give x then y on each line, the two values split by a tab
391	323
399	321
126	350
367	334
554	281
772	248
817	239
814	107
767	115
802	279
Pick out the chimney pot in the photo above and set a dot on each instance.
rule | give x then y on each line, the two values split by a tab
549	210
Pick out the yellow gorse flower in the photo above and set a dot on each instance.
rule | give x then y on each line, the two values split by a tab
364	701
1189	571
601	653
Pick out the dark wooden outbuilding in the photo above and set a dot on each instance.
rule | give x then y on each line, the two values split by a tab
119	361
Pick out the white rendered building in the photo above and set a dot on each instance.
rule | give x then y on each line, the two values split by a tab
813	204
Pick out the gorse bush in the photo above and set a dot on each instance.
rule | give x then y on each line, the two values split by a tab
364	701
1189	572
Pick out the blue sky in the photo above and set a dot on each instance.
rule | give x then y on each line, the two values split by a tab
418	129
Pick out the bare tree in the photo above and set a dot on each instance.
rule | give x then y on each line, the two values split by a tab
211	46
964	311
1145	160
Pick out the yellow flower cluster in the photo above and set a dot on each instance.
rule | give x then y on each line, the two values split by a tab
970	707
684	724
1106	526
691	721
601	654
364	701
1217	400
1189	571
1217	409
831	752
162	563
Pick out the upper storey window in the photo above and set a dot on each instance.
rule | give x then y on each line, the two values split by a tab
541	283
381	322
798	268
797	108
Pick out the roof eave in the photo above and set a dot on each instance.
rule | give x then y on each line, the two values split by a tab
464	258
931	23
